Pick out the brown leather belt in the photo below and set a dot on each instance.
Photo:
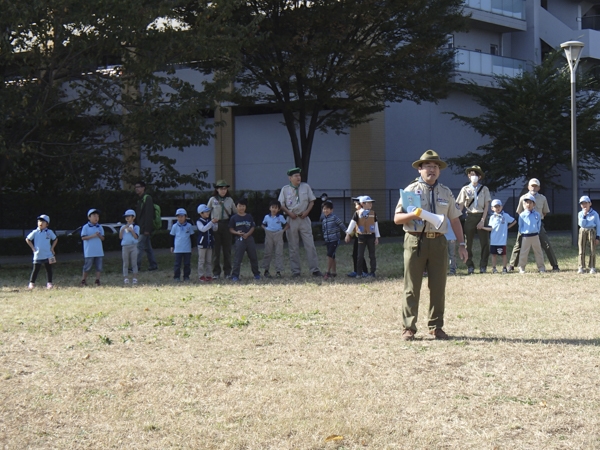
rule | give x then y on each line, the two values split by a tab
428	234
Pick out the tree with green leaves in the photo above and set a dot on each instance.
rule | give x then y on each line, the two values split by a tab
65	122
328	65
527	120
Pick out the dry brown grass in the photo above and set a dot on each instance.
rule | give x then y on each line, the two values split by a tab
285	365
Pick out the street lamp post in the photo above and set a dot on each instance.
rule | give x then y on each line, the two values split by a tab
573	52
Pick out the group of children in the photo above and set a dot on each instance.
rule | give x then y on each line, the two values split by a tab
363	228
530	222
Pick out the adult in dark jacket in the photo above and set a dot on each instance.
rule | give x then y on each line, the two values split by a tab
145	220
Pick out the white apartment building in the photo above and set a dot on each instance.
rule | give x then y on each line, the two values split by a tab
253	151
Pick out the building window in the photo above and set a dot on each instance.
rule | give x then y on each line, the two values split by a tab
449	41
494	49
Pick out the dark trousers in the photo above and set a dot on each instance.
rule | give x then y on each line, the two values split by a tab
186	258
364	267
145	245
222	243
245	246
366	241
37	266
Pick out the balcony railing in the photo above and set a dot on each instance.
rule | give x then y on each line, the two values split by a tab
590	23
486	64
509	8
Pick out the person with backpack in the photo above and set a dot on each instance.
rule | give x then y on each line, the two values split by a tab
475	198
145	215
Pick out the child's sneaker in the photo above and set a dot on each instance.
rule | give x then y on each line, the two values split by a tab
504	270
134	281
542	270
372	274
202	279
352	274
186	279
521	270
267	274
208	279
257	277
83	283
326	276
365	274
333	275
49	285
494	270
126	281
580	270
235	279
97	282
30	286
592	270
278	275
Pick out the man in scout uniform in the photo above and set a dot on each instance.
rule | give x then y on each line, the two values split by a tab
425	246
476	198
297	199
541	206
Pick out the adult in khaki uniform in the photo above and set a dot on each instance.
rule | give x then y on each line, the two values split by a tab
297	199
541	206
476	198
222	207
427	247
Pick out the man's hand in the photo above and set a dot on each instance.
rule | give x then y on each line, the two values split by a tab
462	252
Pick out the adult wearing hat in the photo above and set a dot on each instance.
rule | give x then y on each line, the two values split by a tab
297	200
475	198
222	207
426	247
541	206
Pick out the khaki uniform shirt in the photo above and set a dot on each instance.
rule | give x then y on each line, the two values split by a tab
296	200
444	204
541	204
221	209
467	193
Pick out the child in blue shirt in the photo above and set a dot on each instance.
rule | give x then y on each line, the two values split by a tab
92	235
333	228
129	235
181	245
498	224
42	242
530	222
274	225
242	225
588	221
206	242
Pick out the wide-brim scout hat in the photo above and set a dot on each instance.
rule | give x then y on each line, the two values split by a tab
222	183
475	169
430	156
46	219
294	171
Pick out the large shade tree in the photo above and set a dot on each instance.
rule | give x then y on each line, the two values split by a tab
327	65
527	120
64	123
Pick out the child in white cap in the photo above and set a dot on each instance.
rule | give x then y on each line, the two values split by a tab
206	242
129	235
182	234
42	242
92	235
588	233
499	223
365	222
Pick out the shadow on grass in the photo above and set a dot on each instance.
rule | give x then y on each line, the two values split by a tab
494	340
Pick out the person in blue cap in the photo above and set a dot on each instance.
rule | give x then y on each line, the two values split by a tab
588	233
92	235
42	242
364	221
182	234
129	235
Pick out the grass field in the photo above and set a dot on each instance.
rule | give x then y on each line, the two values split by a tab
288	364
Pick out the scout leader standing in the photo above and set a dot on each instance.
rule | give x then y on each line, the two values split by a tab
475	198
427	247
297	199
222	207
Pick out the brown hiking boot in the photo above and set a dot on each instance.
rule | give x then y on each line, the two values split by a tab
438	333
408	335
